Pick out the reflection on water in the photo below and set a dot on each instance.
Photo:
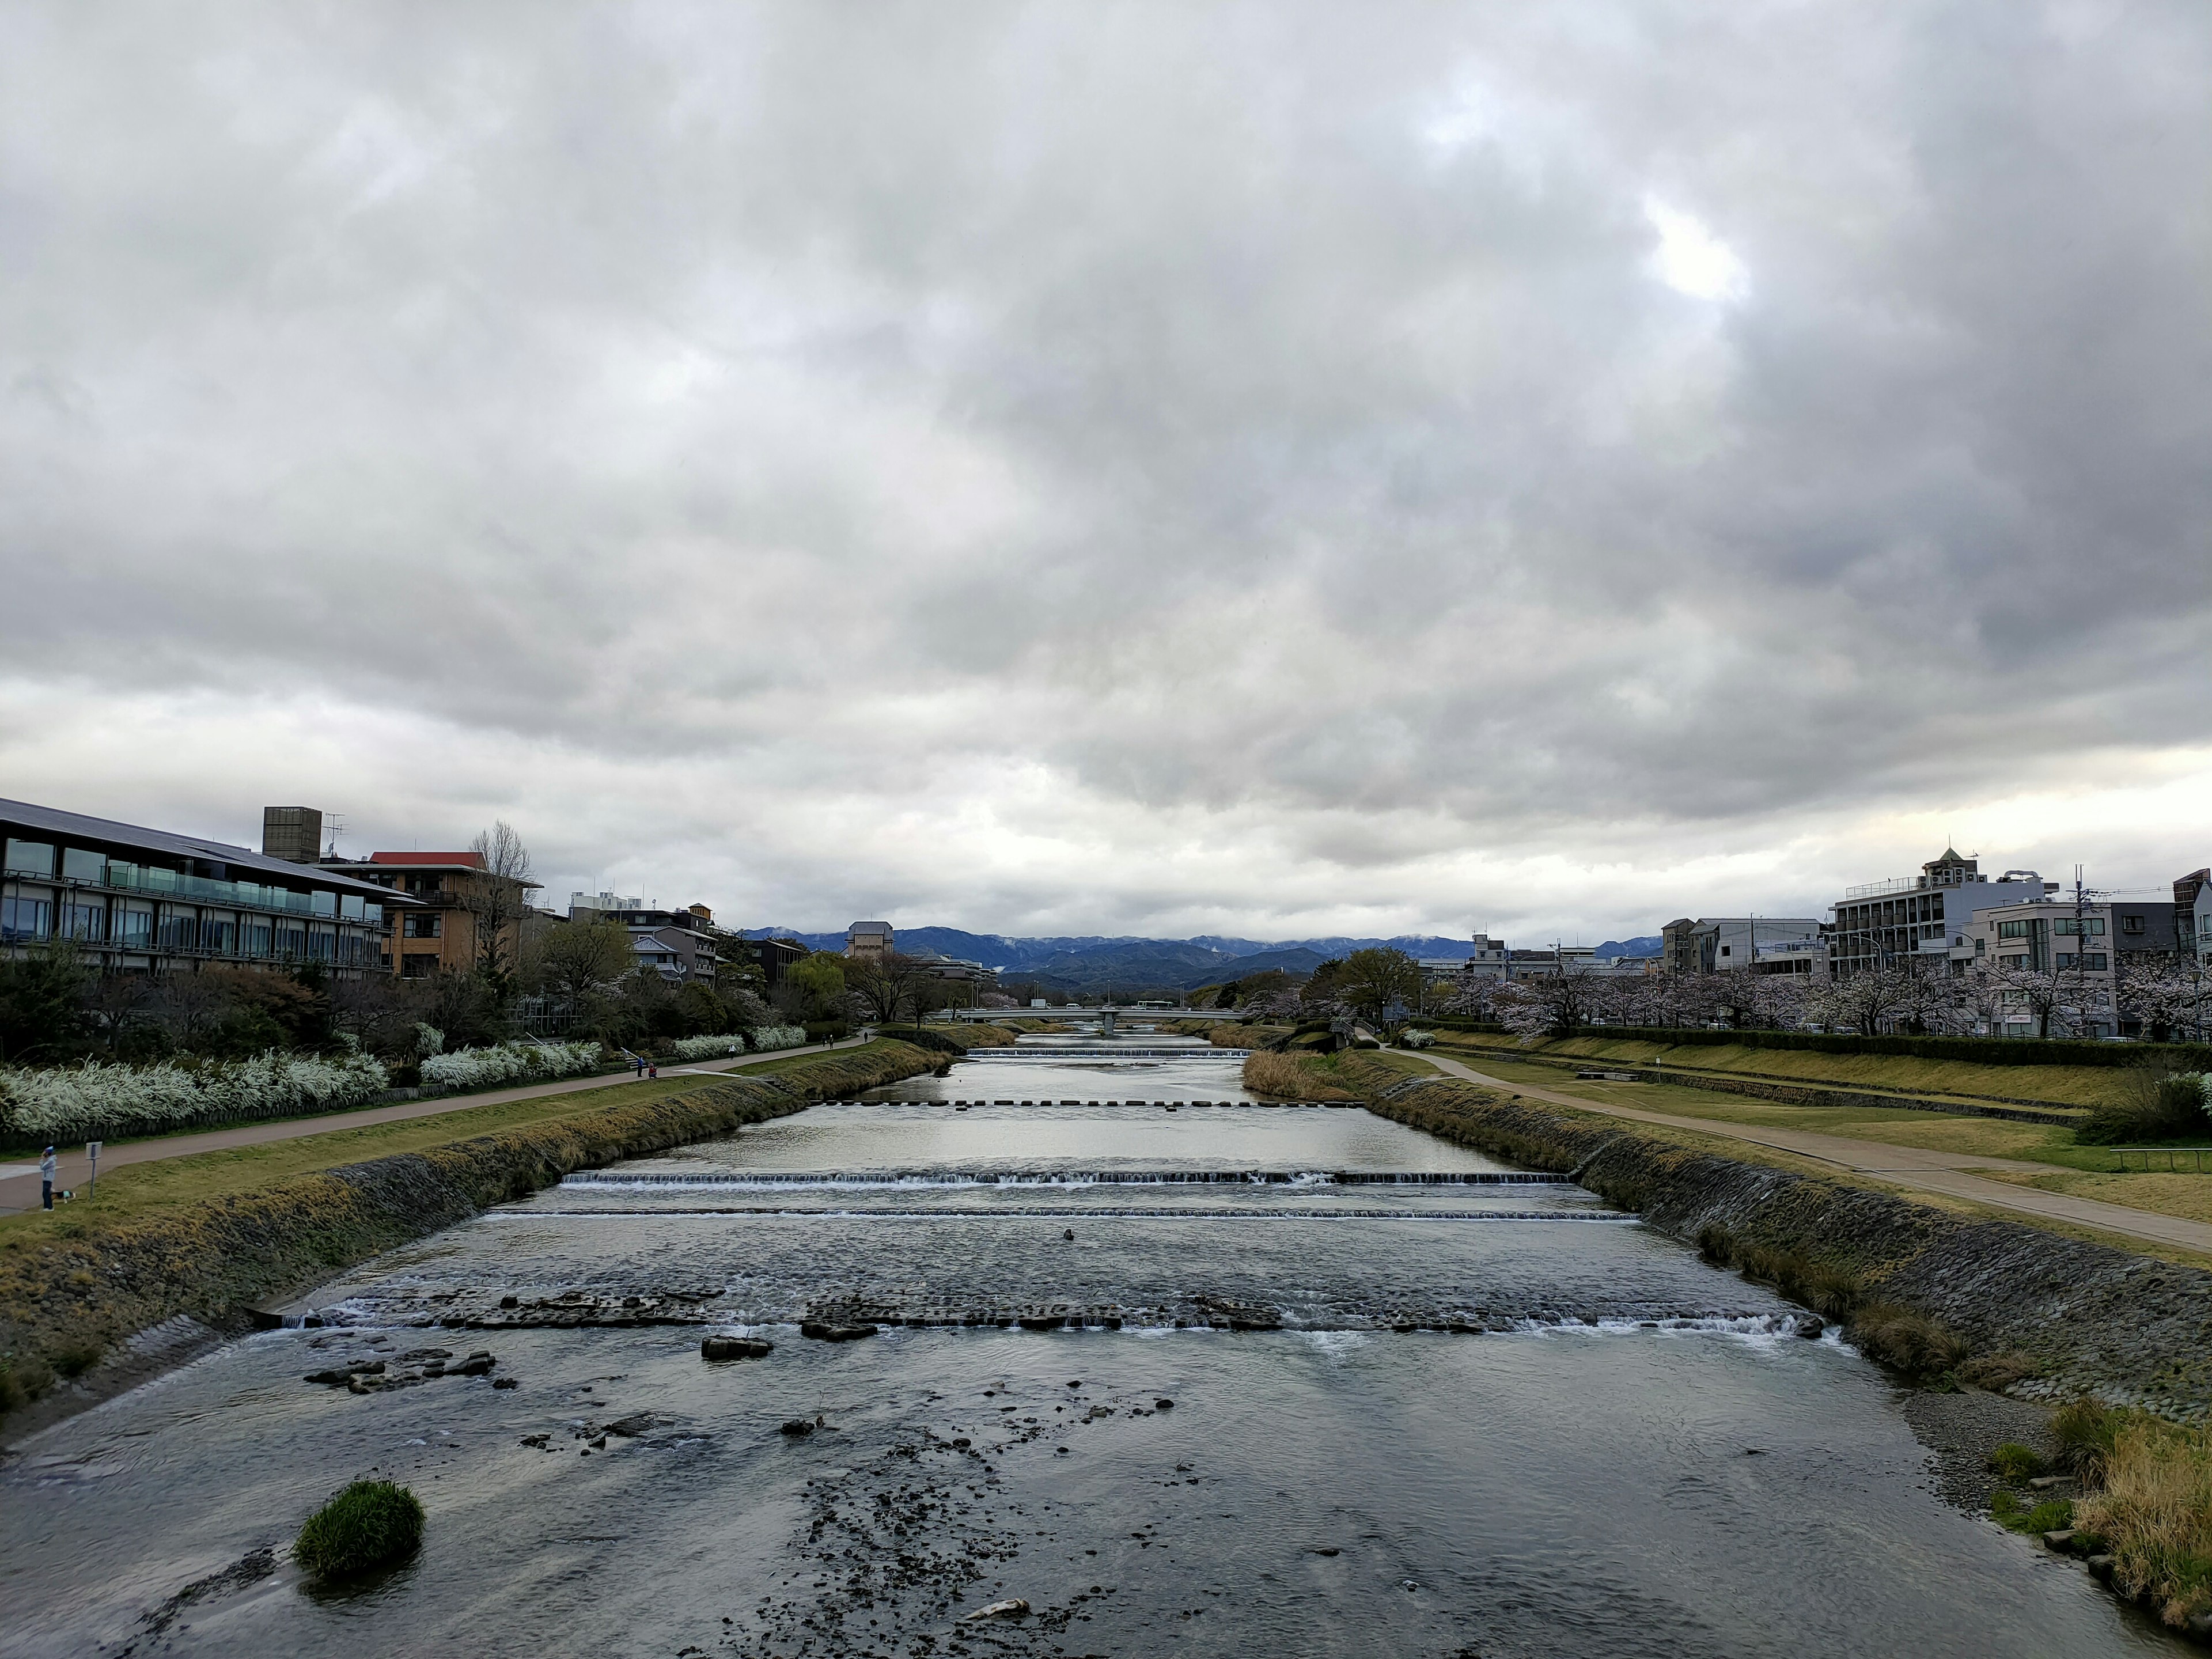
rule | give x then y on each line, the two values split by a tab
1476	1429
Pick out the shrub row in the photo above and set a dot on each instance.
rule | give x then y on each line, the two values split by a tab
509	1062
97	1102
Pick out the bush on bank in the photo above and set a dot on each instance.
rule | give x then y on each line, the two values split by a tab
97	1102
369	1524
509	1062
1982	1051
1289	1077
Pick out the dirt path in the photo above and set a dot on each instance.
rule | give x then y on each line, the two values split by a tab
1912	1167
20	1190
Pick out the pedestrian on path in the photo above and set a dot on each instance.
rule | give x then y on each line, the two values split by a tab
654	1070
46	1178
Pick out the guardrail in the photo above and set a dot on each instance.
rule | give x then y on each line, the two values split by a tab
2195	1155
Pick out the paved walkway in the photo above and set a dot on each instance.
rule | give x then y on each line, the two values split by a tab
1903	1166
20	1191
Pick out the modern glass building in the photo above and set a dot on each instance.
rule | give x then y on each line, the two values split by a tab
133	898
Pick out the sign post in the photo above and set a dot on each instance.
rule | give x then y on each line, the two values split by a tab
91	1152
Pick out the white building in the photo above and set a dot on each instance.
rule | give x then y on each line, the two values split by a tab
1733	944
1926	918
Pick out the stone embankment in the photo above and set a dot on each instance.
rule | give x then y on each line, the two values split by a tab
66	1303
2062	1316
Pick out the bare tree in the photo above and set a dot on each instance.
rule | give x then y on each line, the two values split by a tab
501	899
886	985
576	960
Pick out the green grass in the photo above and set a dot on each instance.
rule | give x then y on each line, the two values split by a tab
2058	1086
369	1524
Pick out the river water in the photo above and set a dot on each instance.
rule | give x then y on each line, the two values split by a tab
1228	1378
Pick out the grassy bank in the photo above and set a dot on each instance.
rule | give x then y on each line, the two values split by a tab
2055	1085
211	1235
1293	1076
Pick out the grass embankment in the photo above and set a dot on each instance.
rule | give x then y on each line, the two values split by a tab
2076	1170
1224	1033
2055	1086
211	1235
1293	1076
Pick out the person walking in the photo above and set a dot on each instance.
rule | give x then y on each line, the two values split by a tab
46	1178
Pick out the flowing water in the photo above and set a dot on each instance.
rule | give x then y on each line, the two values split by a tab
1230	1378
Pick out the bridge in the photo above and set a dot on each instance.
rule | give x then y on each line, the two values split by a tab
1105	1017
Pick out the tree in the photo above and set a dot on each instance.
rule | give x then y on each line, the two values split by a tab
818	984
42	1003
577	961
499	899
1559	1003
889	983
1374	979
2168	996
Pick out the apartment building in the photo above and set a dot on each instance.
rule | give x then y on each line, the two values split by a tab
1739	944
137	899
681	945
462	917
1924	919
2082	943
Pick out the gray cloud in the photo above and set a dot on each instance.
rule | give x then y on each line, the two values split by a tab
1228	466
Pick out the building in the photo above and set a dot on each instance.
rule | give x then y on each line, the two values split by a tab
1491	960
150	901
869	941
2190	937
776	957
1924	919
2202	938
1732	945
682	944
462	918
600	902
2083	943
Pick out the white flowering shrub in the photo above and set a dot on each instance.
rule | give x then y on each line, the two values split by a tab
708	1048
766	1037
1416	1039
428	1040
509	1062
97	1102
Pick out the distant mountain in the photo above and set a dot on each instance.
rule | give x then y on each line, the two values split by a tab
1645	945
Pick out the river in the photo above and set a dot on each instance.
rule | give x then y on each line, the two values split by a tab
1188	1372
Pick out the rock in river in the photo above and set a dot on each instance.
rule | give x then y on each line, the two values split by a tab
735	1347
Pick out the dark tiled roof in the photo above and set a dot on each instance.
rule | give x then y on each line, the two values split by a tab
48	821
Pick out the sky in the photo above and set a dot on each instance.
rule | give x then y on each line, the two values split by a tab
1150	469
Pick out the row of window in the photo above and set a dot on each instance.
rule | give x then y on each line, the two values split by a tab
31	919
42	860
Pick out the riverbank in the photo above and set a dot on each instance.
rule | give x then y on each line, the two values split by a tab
78	1285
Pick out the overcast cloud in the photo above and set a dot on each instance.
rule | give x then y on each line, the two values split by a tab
1140	468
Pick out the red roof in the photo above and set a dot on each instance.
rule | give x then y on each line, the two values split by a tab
474	860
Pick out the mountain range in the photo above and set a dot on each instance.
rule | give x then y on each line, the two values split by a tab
1084	962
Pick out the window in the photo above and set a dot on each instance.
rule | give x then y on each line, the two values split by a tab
179	929
412	966
2131	923
78	865
81	916
256	938
1724	950
323	944
2015	929
2012	962
23	917
218	933
424	884
1981	945
133	926
432	926
30	857
291	941
2078	925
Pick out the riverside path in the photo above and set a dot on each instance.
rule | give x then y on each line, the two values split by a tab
19	1182
1912	1167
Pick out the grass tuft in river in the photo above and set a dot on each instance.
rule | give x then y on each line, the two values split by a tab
369	1524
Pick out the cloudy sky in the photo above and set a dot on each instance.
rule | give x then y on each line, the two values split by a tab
1166	468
